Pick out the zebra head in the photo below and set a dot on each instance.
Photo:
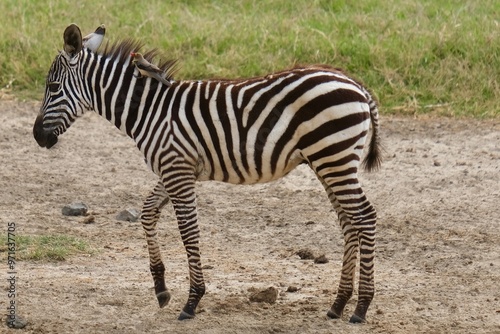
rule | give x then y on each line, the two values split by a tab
65	97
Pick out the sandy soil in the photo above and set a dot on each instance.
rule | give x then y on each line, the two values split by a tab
438	251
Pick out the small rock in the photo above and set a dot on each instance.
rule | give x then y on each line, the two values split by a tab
129	215
75	209
292	288
305	254
310	222
16	323
321	259
268	295
437	163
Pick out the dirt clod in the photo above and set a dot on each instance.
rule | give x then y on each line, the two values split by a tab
321	259
89	219
268	295
305	254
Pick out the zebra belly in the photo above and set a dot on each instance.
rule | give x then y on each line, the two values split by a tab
250	175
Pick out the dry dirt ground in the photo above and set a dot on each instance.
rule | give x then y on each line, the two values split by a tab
438	250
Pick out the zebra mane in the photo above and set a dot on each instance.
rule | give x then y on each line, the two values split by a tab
120	51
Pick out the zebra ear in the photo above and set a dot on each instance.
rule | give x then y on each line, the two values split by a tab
72	40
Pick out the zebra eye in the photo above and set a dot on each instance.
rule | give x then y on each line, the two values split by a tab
53	87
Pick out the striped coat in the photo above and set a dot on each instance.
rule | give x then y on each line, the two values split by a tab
241	131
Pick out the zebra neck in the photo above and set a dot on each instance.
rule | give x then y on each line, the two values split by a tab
121	97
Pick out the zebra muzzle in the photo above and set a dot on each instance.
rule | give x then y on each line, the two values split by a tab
43	137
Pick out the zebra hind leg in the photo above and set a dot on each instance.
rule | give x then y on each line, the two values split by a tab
346	284
357	220
151	210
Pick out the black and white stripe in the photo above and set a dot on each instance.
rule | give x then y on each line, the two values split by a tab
237	131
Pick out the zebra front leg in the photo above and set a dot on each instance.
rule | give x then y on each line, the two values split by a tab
151	210
183	197
190	233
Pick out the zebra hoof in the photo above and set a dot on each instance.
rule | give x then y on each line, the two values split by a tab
163	298
184	316
356	319
333	315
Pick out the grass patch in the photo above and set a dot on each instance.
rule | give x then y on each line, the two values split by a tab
47	247
417	56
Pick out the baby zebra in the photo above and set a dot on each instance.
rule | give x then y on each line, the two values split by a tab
241	131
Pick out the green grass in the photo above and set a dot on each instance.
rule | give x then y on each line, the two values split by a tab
46	247
417	56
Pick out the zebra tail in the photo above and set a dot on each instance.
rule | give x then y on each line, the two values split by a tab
373	158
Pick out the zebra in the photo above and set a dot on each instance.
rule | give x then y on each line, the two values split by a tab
241	131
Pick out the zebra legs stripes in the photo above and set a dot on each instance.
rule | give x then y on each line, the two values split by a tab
358	227
186	213
346	284
150	214
357	220
179	183
181	192
184	203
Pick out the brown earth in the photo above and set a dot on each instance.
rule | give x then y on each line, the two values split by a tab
438	250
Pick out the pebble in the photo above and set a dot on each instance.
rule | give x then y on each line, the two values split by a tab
16	323
75	209
129	215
